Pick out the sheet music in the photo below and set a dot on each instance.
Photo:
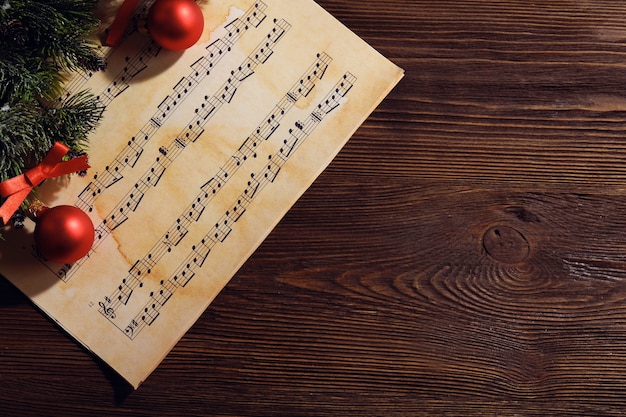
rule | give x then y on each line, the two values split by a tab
198	157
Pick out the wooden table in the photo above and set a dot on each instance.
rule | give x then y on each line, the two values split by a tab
465	254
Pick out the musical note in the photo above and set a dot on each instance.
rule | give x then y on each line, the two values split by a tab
112	91
197	208
332	101
221	231
278	31
150	313
193	132
171	152
101	231
207	108
272	168
244	70
161	296
158	298
253	186
228	91
133	200
290	143
183	275
255	14
143	266
214	52
114	220
156	171
149	50
211	186
201	68
166	107
248	147
234	29
316	71
265	49
201	251
124	292
237	211
221	176
147	131
259	56
87	196
269	127
133	151
79	79
133	66
185	86
175	233
111	175
346	85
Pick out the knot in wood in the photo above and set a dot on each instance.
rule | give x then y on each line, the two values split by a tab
506	244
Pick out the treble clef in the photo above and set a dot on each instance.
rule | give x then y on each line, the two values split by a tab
107	310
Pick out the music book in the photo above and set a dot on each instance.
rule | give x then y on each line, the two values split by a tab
198	156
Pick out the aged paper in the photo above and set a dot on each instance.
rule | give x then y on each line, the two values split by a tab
198	157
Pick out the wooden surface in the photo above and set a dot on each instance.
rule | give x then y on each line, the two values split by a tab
464	255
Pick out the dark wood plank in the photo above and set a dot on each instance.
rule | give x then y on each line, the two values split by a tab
463	255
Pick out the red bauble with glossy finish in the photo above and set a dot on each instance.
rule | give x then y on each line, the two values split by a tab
63	234
175	24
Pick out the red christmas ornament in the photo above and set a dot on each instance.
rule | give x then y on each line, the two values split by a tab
63	234
175	24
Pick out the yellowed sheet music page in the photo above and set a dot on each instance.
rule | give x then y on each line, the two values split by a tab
198	157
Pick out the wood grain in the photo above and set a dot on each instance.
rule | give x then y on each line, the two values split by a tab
464	255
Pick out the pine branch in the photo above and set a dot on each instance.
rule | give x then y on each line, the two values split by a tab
74	120
25	79
22	137
50	30
39	40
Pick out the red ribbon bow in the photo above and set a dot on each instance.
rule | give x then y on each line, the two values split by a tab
16	189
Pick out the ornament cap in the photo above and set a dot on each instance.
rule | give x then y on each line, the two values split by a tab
35	209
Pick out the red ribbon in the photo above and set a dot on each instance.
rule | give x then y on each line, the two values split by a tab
16	189
116	31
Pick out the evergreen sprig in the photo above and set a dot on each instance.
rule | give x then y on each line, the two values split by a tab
40	41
